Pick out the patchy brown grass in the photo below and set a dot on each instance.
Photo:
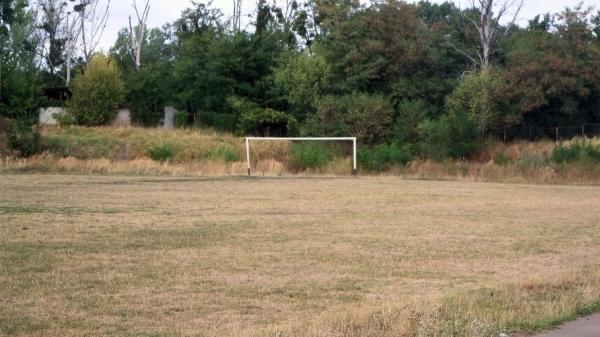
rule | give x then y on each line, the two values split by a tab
298	256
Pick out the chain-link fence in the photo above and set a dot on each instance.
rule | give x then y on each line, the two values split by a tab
534	133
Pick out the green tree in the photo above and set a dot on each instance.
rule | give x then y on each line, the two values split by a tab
7	14
367	117
551	73
302	79
476	96
149	89
21	81
450	136
97	92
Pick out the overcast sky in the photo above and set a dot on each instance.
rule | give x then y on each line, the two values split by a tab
166	11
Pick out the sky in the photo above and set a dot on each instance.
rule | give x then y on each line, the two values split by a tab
166	11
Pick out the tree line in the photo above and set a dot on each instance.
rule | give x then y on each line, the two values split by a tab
434	77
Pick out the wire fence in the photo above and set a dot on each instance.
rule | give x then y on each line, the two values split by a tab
535	133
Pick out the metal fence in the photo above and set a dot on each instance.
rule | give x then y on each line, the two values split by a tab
533	133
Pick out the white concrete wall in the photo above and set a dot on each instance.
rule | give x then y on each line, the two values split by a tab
47	115
169	117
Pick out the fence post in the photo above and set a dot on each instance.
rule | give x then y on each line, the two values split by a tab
505	129
557	134
583	131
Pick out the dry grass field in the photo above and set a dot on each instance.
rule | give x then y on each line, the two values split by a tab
369	256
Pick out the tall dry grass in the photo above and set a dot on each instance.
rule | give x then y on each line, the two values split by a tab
102	150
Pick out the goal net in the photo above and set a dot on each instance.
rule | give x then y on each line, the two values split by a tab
351	140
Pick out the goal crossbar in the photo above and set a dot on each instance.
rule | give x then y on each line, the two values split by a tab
352	139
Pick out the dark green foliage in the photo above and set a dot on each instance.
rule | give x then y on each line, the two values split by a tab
24	138
181	119
409	114
448	137
364	116
309	155
162	152
147	89
268	123
580	151
223	153
501	159
382	157
219	121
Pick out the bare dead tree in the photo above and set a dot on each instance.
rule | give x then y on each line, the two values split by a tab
137	33
93	16
73	32
491	12
237	16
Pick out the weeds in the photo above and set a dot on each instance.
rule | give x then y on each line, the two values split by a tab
162	152
309	155
579	151
223	153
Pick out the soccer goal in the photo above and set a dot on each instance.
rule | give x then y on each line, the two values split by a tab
319	139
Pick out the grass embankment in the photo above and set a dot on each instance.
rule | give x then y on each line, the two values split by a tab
298	257
205	152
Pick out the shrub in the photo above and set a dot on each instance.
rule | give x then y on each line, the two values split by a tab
364	116
223	153
147	92
160	152
302	79
24	138
501	159
268	122
530	160
475	96
97	92
409	114
219	121
448	137
580	151
181	119
384	156
309	155
64	119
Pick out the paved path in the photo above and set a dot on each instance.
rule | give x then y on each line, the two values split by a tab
585	327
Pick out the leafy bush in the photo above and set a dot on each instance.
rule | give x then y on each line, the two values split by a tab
580	151
500	159
409	114
147	92
384	156
162	152
475	96
302	79
309	155
223	153
24	138
97	92
268	122
64	119
181	119
222	122
530	160
364	116
448	137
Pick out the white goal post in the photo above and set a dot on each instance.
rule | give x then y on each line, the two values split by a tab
352	139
